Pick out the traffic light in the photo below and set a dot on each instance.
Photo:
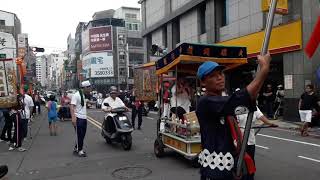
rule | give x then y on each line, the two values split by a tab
37	49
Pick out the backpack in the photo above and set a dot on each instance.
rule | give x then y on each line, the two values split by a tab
53	110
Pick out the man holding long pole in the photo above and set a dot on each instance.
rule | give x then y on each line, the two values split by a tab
219	132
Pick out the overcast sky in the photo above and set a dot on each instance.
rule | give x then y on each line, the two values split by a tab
49	22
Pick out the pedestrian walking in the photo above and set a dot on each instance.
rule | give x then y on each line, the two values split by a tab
15	115
52	116
308	109
137	110
218	126
251	148
79	116
269	99
37	102
28	105
64	112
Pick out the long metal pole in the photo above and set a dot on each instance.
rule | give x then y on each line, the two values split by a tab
264	51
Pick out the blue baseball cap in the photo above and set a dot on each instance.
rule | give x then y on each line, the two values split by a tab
207	67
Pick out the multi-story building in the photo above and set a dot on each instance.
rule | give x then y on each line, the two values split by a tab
10	23
111	46
41	70
240	22
78	51
72	64
134	43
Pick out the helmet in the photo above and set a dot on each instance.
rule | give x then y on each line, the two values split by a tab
113	89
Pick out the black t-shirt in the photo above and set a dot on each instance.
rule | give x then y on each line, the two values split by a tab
309	102
215	134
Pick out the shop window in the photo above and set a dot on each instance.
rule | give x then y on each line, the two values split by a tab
202	15
225	13
2	22
130	16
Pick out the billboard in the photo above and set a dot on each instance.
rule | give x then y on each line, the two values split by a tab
100	39
100	64
22	40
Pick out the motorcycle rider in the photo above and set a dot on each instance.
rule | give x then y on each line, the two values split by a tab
113	101
110	103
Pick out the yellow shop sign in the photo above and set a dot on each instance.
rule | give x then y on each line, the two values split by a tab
282	6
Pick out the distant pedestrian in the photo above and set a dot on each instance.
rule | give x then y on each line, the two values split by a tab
26	112
37	102
79	116
308	107
65	107
52	115
269	99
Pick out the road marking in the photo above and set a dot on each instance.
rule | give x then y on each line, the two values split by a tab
153	112
93	123
149	118
290	140
263	147
315	160
97	122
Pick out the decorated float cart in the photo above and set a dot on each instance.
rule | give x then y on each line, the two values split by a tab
177	127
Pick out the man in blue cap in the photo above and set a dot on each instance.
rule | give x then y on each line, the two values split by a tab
217	158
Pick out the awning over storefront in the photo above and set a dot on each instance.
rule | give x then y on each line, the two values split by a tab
284	38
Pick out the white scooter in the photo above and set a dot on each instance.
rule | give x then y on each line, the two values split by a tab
117	127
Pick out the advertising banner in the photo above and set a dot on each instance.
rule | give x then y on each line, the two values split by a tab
100	39
22	40
100	64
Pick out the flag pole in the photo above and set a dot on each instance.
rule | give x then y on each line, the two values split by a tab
264	51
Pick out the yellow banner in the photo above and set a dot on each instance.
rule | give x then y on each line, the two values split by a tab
282	6
284	38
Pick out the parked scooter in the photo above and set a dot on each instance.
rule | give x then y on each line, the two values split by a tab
117	127
145	109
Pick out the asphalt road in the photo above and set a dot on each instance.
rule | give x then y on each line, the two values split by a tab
280	154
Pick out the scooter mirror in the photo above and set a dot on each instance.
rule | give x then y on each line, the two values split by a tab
106	104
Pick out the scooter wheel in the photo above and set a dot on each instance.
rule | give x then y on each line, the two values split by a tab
158	148
126	142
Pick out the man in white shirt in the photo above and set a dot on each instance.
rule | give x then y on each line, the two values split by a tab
113	101
26	113
252	138
79	116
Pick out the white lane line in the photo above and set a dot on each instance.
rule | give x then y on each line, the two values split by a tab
153	112
263	147
290	140
315	160
149	118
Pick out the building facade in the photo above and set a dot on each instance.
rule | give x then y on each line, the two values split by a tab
111	45
10	23
134	43
240	22
41	70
